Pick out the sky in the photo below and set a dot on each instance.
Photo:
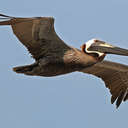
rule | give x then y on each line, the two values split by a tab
75	100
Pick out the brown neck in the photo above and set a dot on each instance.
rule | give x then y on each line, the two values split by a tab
83	48
91	54
95	55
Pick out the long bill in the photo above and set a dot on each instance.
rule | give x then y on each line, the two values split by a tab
108	49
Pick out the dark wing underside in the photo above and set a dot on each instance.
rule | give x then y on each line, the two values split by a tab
37	34
115	77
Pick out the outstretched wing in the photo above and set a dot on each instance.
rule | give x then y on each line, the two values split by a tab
115	76
37	34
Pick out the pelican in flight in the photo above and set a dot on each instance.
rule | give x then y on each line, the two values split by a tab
54	57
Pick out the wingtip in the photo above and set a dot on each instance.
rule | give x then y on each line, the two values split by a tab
5	16
5	20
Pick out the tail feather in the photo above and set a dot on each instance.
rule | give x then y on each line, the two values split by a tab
25	69
22	69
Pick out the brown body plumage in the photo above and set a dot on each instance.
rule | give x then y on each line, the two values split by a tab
54	57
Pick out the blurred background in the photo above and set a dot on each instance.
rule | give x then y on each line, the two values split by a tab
74	100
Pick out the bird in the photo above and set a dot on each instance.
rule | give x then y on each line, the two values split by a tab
54	57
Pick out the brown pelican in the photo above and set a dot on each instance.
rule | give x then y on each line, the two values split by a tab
54	57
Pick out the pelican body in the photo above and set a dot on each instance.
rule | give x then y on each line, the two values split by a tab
54	57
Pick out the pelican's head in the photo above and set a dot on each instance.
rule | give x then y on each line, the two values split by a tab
101	48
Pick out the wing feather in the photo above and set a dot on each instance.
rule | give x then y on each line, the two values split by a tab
37	34
115	76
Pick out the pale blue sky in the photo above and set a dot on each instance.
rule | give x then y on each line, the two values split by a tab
74	100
